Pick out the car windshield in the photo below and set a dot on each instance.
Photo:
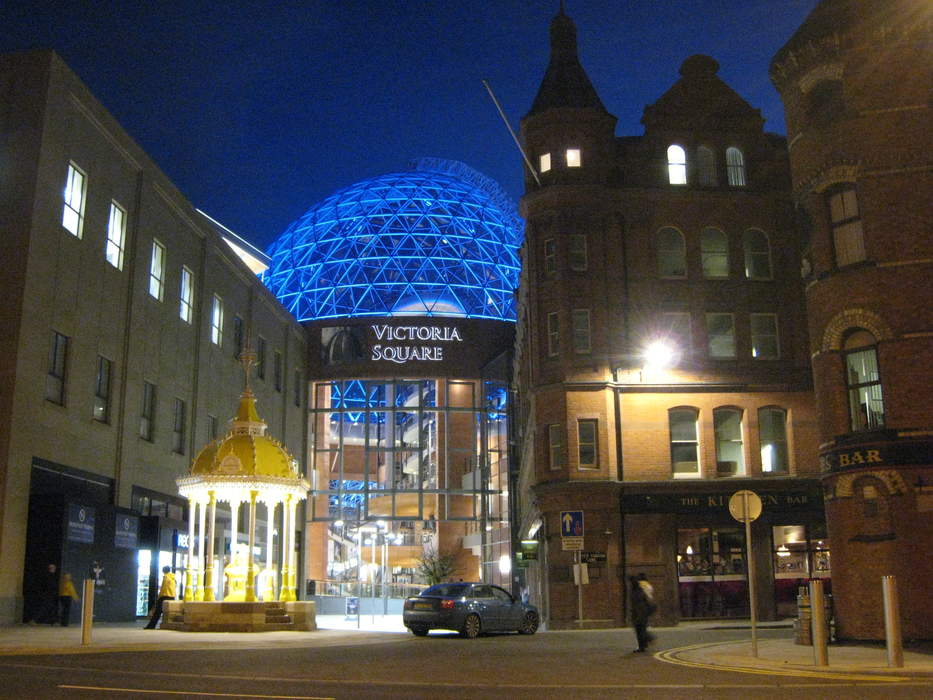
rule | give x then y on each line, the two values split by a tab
449	590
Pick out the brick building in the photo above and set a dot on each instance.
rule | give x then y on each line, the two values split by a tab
680	242
856	84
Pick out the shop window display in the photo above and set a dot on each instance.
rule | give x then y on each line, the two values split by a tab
712	572
800	554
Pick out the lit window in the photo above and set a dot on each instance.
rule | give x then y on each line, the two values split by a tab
553	335
676	165
75	192
573	158
772	434
730	453
157	271
757	255
55	378
714	253
116	235
217	321
545	162
863	382
848	241
676	330
261	357
672	253
720	332
706	167
685	452
735	167
277	369
765	345
588	448
102	390
581	330
186	296
555	441
147	412
178	427
550	255
578	259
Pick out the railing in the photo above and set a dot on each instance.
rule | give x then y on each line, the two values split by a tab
363	589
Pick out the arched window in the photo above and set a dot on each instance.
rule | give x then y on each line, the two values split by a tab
772	436
735	167
757	254
706	167
730	452
824	103
676	165
714	253
685	445
672	253
863	381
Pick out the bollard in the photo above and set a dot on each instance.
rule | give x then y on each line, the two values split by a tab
818	612
87	611
892	622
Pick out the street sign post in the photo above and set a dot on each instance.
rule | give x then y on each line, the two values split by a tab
571	539
745	506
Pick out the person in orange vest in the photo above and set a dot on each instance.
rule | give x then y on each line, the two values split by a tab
66	594
166	592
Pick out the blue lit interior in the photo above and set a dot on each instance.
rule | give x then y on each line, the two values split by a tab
438	240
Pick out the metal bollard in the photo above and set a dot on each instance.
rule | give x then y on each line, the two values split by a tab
87	611
818	611
892	622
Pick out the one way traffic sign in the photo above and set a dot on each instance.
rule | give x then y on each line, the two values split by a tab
571	523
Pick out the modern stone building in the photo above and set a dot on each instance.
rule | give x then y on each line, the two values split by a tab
856	81
662	359
125	310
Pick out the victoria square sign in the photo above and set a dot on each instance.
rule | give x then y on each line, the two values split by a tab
401	344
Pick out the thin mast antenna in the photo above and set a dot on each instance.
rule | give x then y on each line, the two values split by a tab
508	126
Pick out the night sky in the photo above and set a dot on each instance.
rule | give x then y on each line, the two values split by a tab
258	110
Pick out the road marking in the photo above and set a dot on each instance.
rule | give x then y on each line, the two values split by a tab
192	692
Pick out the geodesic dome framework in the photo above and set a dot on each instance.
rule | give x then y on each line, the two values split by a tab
438	240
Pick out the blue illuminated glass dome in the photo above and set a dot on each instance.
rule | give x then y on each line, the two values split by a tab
437	240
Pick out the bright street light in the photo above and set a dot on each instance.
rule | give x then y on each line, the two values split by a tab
659	354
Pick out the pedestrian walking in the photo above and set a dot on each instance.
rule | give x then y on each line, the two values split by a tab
166	592
66	594
48	604
641	610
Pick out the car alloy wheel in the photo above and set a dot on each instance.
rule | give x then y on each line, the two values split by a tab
529	624
419	631
471	627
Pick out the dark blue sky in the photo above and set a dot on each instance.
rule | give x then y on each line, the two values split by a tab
257	110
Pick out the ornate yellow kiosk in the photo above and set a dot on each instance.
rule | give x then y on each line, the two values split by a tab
245	466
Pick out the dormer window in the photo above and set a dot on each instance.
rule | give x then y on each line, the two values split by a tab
544	162
573	158
676	165
735	167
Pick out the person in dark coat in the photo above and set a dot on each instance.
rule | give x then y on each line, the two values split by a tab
641	609
48	607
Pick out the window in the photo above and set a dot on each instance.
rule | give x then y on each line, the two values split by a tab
178	427
581	330
706	167
711	571
555	441
720	334
765	344
211	427
672	253
550	256
55	379
588	449
676	165
186	296
573	158
685	452
757	255
825	102
217	321
544	162
157	271
277	369
730	455
116	235
735	167
102	390
237	336
846	220
147	413
75	193
553	335
261	357
676	330
714	253
863	381
297	388
578	260
772	435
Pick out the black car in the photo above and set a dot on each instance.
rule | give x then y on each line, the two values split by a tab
468	608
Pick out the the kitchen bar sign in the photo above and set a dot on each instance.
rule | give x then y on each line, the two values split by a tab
401	344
